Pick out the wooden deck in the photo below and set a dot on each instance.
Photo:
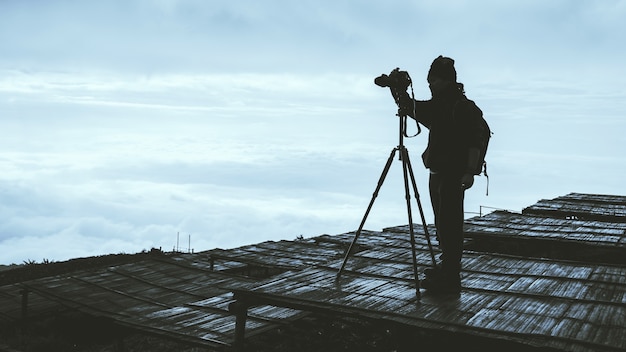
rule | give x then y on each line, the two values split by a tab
587	232
211	298
185	297
609	208
548	303
540	236
152	296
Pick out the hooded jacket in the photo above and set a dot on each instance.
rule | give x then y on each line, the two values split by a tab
453	130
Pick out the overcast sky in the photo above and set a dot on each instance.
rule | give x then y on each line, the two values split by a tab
127	122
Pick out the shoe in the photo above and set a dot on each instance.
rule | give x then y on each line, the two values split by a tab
438	282
433	272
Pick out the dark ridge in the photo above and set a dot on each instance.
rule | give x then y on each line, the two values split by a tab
31	270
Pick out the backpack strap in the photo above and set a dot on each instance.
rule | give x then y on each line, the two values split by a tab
487	176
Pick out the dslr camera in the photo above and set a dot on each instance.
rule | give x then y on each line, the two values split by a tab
396	80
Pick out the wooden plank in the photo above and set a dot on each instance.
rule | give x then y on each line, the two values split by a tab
503	223
159	298
595	198
582	206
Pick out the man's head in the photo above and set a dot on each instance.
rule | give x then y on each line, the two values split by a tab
443	68
441	74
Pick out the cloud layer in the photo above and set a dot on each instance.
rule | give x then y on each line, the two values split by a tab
126	123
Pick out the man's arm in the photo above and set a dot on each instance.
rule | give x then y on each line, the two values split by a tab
418	110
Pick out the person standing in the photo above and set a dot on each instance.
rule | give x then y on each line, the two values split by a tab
452	156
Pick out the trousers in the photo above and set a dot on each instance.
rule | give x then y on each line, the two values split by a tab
447	197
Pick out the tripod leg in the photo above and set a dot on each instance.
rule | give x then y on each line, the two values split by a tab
381	180
421	210
407	193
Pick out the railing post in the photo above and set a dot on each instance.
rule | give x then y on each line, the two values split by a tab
240	309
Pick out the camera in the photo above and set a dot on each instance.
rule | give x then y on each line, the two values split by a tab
395	80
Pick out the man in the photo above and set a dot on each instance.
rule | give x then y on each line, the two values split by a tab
452	156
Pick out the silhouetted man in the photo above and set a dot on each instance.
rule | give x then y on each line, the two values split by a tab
452	156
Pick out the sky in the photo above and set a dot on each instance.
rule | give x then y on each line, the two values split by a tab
133	124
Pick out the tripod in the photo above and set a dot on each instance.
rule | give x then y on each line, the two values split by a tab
407	172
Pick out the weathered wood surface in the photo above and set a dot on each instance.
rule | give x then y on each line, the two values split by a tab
539	236
149	296
11	304
591	232
558	304
554	304
183	296
582	206
285	254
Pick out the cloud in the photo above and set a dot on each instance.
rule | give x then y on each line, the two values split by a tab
126	122
121	183
98	216
308	36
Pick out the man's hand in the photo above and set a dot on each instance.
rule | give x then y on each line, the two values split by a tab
405	104
467	181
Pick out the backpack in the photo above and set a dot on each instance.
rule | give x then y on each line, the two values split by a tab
485	135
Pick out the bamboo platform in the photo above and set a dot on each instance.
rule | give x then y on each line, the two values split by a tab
546	303
580	227
151	296
215	298
600	207
185	297
540	236
588	232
